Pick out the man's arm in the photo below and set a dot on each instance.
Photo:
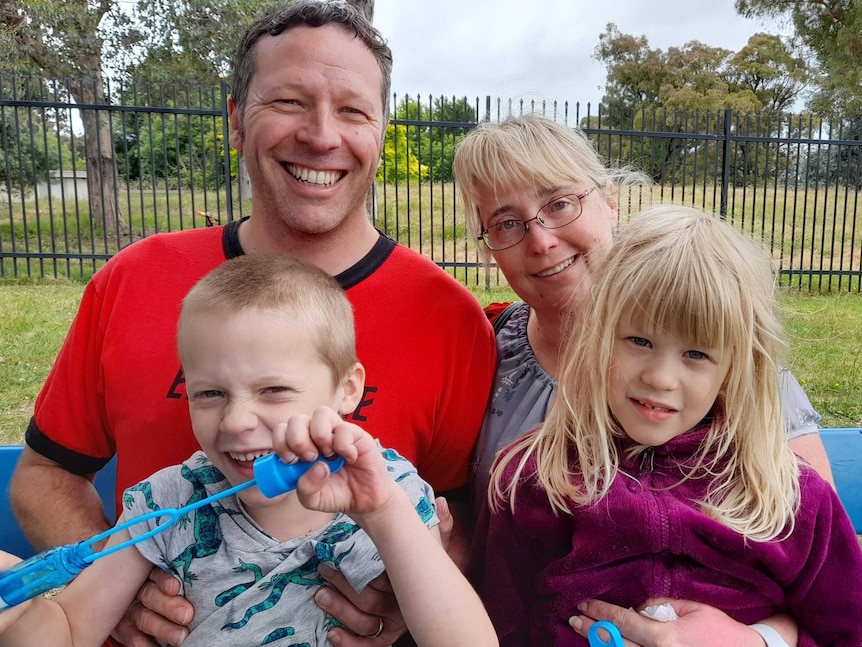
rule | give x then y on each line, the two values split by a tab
42	493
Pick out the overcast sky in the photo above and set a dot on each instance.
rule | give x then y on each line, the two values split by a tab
537	49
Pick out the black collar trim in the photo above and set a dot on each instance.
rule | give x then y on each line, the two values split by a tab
368	264
230	239
354	275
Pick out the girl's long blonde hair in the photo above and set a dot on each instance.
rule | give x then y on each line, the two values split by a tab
689	274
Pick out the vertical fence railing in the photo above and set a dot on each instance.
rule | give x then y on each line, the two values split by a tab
794	182
169	158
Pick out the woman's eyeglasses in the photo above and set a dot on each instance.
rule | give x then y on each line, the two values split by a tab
559	212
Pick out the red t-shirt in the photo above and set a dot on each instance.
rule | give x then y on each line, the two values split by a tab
116	385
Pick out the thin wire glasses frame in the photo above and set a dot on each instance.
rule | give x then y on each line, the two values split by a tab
559	212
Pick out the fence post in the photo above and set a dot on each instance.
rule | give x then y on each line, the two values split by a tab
226	138
476	242
725	166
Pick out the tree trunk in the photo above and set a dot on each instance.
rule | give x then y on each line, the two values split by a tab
101	163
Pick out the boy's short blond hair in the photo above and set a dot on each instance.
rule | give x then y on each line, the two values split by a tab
307	296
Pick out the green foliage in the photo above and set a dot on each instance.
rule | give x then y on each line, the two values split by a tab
181	150
434	145
763	74
833	31
60	38
825	354
840	164
399	162
32	140
193	39
33	323
766	67
687	89
23	160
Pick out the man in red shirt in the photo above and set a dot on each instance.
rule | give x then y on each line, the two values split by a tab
308	112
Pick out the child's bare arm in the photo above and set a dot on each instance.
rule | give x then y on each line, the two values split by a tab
86	611
428	585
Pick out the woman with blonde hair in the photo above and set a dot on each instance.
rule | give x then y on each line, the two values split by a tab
544	206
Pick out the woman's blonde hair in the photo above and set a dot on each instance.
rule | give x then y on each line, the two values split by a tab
693	276
308	297
530	150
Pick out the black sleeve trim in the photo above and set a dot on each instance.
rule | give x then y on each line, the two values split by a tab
68	459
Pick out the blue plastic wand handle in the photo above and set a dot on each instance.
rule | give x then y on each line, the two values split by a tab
615	638
58	566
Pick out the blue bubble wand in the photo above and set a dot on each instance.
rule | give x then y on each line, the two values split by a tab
59	566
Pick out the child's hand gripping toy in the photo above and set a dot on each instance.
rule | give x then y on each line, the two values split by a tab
58	566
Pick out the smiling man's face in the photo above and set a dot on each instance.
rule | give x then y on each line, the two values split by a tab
311	128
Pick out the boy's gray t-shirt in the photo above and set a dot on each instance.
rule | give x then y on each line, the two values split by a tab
248	588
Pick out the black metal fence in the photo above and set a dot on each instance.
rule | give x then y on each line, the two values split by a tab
156	159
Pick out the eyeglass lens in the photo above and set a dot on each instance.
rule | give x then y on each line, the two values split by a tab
557	213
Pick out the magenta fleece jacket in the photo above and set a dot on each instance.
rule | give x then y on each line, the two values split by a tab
648	539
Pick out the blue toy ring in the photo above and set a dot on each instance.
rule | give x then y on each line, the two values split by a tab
616	639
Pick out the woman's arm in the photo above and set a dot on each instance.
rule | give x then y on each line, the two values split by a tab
699	625
810	449
801	420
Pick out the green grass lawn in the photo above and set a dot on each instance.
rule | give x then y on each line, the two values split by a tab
824	330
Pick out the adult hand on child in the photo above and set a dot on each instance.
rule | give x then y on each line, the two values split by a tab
159	615
698	625
360	613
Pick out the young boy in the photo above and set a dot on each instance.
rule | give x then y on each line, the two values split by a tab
267	347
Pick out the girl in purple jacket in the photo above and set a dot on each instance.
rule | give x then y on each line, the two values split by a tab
662	470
